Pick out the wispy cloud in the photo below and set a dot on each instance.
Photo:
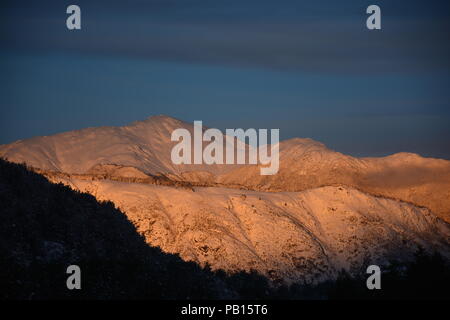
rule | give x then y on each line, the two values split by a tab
289	36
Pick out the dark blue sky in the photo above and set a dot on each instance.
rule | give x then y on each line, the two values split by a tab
310	68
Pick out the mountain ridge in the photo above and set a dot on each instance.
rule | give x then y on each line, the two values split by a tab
322	212
304	163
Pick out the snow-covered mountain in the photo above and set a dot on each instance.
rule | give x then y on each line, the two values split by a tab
324	211
306	164
143	148
144	145
293	236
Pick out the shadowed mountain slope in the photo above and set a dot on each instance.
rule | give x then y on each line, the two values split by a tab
47	227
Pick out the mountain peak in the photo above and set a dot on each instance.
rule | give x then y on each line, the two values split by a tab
160	119
302	143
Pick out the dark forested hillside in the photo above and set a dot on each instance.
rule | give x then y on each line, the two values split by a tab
47	227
